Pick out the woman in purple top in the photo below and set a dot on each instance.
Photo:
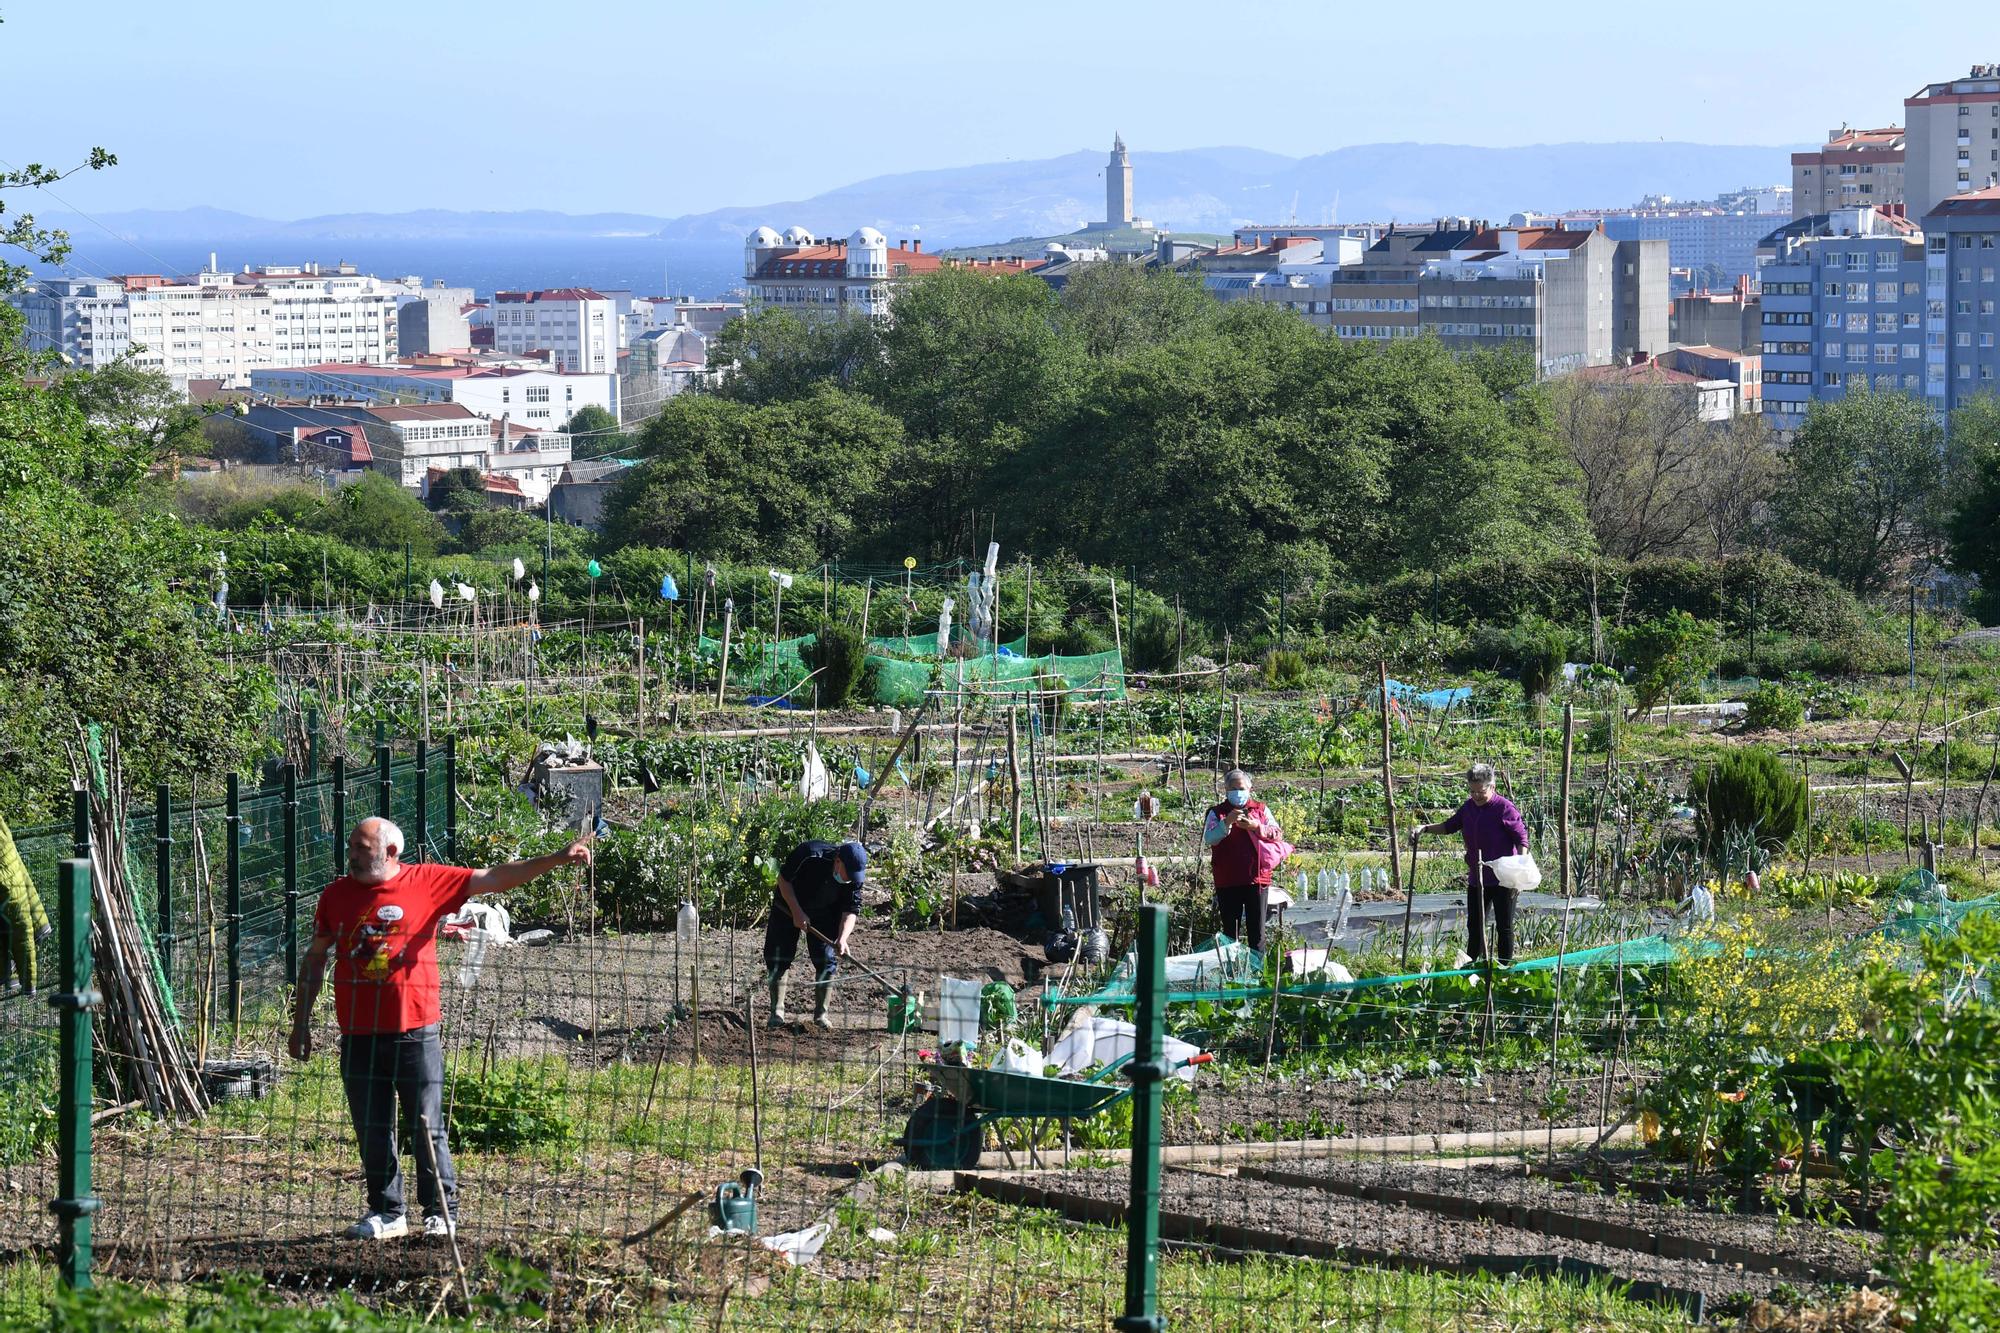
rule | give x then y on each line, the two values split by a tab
1492	828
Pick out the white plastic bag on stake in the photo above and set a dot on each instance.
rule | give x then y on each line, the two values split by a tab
1518	872
813	784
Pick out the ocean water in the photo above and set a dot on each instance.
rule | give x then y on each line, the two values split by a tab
645	266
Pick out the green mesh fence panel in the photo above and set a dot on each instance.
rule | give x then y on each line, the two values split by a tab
897	645
772	669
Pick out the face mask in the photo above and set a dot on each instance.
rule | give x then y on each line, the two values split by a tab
1238	797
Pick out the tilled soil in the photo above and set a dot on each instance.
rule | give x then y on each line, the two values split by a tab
1832	1248
1380	1232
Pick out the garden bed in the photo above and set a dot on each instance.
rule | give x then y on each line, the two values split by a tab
1237	1213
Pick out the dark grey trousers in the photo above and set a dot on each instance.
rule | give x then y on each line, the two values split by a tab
379	1072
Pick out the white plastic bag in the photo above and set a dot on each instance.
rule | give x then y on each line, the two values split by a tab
1020	1058
813	784
958	1011
1516	872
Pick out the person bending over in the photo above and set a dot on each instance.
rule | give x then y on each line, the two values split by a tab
818	897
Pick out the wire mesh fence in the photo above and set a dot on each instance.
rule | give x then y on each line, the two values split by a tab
1448	1145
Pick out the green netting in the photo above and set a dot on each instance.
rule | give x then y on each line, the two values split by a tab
902	684
771	668
899	645
1646	951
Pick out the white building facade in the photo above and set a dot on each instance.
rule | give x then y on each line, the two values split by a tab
535	399
83	320
579	327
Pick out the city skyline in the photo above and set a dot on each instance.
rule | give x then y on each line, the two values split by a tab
701	109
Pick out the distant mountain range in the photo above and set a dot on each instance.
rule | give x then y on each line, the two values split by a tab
1196	189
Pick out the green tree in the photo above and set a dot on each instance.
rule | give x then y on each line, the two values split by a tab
22	232
459	490
1112	309
1863	489
591	420
95	594
1667	655
376	514
1974	534
788	482
773	356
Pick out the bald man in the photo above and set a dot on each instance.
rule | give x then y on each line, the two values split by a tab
379	925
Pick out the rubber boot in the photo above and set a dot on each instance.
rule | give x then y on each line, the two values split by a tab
777	988
822	990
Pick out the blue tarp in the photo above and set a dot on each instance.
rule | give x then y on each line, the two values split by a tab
1435	701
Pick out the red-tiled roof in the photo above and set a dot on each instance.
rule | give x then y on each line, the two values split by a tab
552	294
1650	372
829	260
341	439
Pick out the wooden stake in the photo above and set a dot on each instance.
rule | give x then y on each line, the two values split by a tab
1236	732
722	677
1014	781
1389	800
1117	639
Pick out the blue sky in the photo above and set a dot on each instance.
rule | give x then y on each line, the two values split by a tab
287	110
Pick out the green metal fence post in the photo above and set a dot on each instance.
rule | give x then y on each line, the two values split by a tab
79	824
337	849
233	901
163	875
291	875
74	1204
1147	1071
451	799
423	834
385	786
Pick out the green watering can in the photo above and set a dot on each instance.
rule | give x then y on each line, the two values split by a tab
736	1202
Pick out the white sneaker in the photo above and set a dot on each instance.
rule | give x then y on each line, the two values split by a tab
379	1226
437	1224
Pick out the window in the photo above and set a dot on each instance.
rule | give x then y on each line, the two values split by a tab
1986	274
1885	293
1912	352
1833	290
1857	261
1965	372
1964	339
1833	319
1986	307
1833	351
1885	261
538	395
1857	323
1985	340
1910	383
1885	354
1829	379
1911	319
1857	351
1886	323
1857	291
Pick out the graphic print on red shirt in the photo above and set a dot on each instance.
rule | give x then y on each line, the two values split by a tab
385	975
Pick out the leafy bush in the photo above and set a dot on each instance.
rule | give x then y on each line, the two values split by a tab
1533	647
1747	793
1667	655
1929	1051
728	858
1284	668
511	1105
1773	707
840	656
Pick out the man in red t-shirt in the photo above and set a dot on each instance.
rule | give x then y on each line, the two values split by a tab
379	924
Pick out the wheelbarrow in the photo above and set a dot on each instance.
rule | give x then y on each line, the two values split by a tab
947	1131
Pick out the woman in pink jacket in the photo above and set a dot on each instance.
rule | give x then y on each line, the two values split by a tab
1232	832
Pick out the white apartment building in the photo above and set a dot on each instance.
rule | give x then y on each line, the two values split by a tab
408	442
222	326
534	399
1954	139
81	319
577	326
